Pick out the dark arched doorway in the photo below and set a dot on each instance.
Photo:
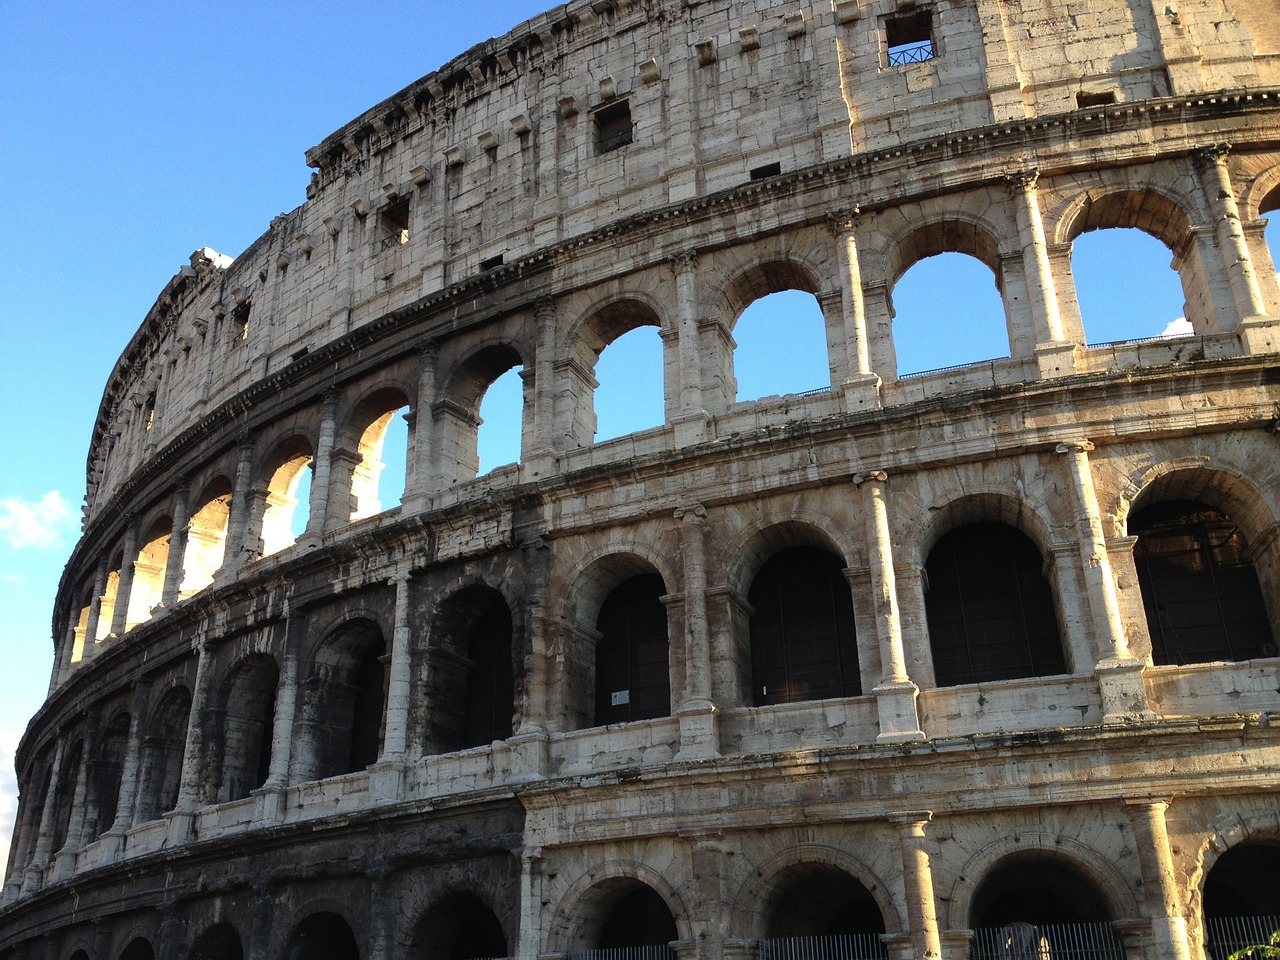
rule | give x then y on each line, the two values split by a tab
1242	898
820	911
460	926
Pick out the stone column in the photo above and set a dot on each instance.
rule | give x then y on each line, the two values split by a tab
420	483
177	547
699	724
529	922
191	788
1054	354
860	384
544	379
33	877
895	693
1119	674
917	879
131	767
238	551
129	553
691	426
318	518
1233	248
95	608
1155	859
286	705
400	682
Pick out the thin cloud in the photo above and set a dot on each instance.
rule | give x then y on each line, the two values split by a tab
1178	328
38	524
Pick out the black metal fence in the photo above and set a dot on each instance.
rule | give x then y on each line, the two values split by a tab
848	946
1225	935
1050	941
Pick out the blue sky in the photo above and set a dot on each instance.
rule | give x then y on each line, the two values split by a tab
135	133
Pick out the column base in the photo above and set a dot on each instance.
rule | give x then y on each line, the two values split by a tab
268	805
699	730
111	845
861	392
182	827
896	703
530	756
386	781
1124	694
1260	334
33	878
1056	358
695	428
62	868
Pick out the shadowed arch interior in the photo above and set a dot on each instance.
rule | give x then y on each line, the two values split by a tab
633	675
322	936
249	697
470	671
219	942
820	901
162	748
459	926
347	693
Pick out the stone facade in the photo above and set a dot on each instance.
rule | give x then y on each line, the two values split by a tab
399	733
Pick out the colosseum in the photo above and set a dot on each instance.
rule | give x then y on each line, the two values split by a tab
978	662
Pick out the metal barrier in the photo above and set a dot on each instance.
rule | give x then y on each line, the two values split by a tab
845	946
1225	935
658	952
1050	941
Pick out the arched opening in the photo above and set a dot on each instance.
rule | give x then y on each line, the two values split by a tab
803	643
630	397
383	441
138	949
471	683
1148	303
148	573
288	498
990	609
64	801
947	311
460	926
1199	585
631	914
79	955
105	773
248	715
80	631
346	694
1242	898
633	676
322	936
1040	906
781	346
820	911
161	767
499	430
219	942
206	538
107	606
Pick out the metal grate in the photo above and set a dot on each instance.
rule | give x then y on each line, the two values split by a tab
917	52
659	952
1050	941
1225	935
847	946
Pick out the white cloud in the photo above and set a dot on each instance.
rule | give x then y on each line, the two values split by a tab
39	524
1178	328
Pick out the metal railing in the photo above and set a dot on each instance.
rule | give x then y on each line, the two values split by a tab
1050	941
845	946
659	952
1225	935
917	52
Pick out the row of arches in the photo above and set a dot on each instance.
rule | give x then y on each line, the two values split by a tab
1046	902
992	612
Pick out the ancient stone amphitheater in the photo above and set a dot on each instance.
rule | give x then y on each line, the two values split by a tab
978	662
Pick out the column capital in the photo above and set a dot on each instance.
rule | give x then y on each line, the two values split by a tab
1074	446
1213	153
544	308
844	221
1022	179
684	261
862	476
915	819
693	513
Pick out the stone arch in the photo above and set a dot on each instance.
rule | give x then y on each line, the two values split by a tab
582	910
138	948
470	669
206	545
977	506
1226	833
66	785
343	713
219	942
105	773
246	705
764	538
147	589
456	412
1230	487
358	464
749	908
1094	867
1262	194
323	935
589	336
281	476
761	278
953	231
160	773
459	925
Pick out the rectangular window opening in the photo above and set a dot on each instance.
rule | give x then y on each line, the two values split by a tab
767	171
909	38
240	322
1096	99
613	127
491	263
395	224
